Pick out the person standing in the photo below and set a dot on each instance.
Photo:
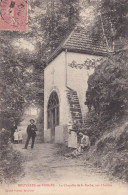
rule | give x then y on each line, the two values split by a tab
31	132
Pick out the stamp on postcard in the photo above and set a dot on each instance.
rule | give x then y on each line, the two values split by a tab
13	14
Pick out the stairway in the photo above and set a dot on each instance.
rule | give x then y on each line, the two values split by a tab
74	105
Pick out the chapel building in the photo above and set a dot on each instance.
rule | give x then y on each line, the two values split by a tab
65	85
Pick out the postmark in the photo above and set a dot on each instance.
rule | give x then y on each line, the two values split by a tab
13	14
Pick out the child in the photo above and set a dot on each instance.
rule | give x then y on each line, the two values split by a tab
16	137
20	136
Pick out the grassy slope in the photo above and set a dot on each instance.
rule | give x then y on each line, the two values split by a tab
110	152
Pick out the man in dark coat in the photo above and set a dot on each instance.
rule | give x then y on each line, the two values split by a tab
31	131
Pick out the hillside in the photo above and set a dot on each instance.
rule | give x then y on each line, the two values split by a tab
106	123
110	153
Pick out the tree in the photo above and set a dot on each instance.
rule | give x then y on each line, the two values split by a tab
23	54
115	14
18	84
107	87
61	17
112	16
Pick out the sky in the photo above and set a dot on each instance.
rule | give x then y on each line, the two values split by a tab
24	44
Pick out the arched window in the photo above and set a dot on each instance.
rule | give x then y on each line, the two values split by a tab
53	110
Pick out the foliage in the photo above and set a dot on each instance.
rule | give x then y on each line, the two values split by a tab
110	21
21	78
110	152
60	19
107	100
22	54
115	17
107	96
108	86
88	64
11	84
10	160
96	124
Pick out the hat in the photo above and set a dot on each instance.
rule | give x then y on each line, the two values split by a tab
80	133
32	120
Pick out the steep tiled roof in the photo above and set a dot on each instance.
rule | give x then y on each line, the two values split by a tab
80	40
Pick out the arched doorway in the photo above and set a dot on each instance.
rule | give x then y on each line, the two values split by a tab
53	113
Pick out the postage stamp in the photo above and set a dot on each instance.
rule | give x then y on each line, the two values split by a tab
13	15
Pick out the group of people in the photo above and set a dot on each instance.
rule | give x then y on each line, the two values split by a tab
83	145
16	134
17	137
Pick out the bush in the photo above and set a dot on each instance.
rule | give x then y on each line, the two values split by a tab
108	86
107	101
10	160
107	96
96	124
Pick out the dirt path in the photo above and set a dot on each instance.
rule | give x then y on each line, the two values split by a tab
53	174
44	164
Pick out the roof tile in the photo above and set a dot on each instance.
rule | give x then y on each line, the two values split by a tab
80	40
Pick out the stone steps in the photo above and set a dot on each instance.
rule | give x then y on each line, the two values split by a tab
74	105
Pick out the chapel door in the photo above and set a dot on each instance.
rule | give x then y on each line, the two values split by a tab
53	114
53	125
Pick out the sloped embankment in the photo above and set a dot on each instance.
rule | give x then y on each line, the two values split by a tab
10	161
110	152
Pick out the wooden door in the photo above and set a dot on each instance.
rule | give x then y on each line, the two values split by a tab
52	125
53	114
